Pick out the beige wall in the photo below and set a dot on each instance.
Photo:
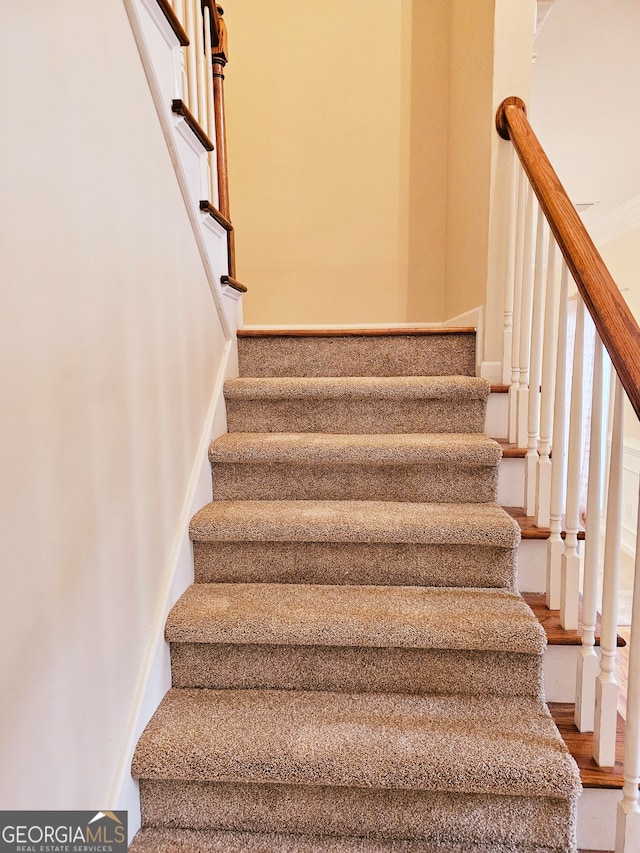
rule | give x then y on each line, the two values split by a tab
317	124
469	153
428	85
361	139
339	143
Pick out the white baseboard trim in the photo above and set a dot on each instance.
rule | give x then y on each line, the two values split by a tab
468	318
155	673
338	326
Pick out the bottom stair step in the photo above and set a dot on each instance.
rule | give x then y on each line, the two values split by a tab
472	770
194	841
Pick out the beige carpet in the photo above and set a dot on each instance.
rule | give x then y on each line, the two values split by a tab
353	669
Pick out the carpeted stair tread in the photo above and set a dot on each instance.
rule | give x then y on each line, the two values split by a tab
392	354
479	745
357	404
355	521
454	449
375	616
381	387
440	467
202	841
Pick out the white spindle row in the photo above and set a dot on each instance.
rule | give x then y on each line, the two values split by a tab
523	189
604	732
197	84
525	320
588	662
543	478
628	818
548	404
570	560
555	545
535	373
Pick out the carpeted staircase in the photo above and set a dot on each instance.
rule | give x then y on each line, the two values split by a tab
354	670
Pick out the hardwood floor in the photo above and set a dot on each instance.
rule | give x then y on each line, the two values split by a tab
581	747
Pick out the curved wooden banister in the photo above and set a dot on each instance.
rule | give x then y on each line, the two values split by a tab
613	319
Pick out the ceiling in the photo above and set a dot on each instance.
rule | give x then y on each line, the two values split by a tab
585	106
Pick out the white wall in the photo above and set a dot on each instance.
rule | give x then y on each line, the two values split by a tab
110	353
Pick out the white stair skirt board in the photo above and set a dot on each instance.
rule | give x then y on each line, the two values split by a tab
497	416
532	565
559	668
511	482
597	818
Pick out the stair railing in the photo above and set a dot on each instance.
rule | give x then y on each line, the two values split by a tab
203	36
547	409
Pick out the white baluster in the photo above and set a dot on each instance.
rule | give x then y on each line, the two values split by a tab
211	120
587	669
543	478
507	334
604	732
525	324
523	190
570	562
533	418
192	65
202	81
628	817
555	545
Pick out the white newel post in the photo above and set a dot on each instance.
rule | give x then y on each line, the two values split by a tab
555	545
535	375
570	561
628	818
587	669
604	732
523	189
507	334
525	321
543	478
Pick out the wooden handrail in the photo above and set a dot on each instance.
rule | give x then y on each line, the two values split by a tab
614	321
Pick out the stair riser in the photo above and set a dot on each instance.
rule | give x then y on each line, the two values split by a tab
421	483
214	841
413	564
362	670
357	415
429	355
373	813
